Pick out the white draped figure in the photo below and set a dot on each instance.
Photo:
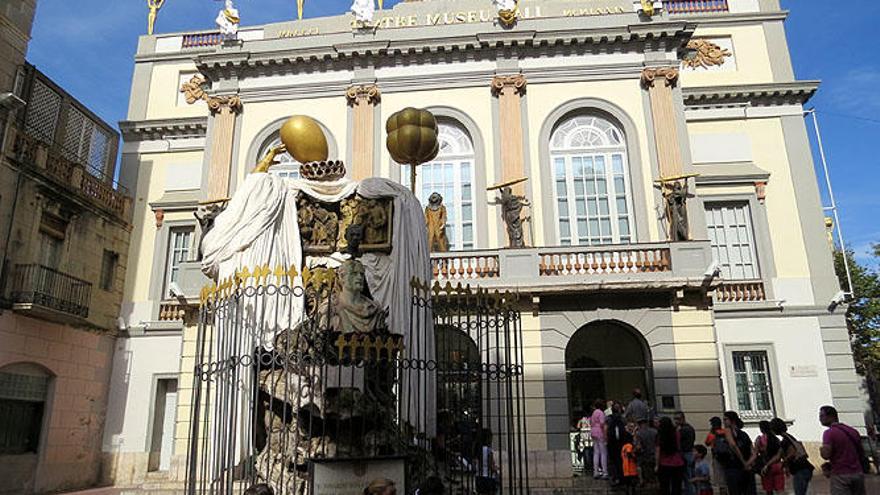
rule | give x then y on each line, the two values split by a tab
259	227
504	4
363	10
227	20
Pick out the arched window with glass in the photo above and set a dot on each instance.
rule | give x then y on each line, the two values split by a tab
287	165
452	175
591	182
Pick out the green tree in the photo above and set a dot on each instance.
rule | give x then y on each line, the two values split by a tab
863	317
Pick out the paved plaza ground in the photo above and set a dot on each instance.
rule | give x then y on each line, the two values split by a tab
583	486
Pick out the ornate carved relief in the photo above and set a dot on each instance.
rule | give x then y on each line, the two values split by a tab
668	74
160	217
705	54
323	226
194	90
515	81
761	190
366	92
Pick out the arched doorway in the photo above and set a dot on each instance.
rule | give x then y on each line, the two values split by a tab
605	360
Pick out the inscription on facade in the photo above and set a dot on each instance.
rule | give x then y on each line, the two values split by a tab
298	33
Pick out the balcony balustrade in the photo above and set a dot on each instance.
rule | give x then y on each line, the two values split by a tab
736	291
50	162
201	40
45	287
695	6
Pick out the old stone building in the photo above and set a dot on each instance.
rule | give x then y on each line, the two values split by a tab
598	103
64	235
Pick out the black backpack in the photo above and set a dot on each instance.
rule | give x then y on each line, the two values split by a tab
721	450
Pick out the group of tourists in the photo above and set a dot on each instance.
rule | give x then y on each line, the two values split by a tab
633	448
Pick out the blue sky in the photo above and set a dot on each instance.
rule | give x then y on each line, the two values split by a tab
87	46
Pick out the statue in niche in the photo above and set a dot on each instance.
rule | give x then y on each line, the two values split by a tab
511	212
435	218
676	196
356	312
375	219
374	215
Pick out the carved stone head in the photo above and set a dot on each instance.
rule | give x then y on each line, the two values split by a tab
435	200
351	274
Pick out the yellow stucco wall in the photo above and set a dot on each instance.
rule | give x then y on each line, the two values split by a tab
165	89
750	51
769	153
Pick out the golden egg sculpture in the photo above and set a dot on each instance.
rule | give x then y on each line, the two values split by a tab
304	139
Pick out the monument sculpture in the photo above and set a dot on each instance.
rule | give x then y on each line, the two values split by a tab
511	211
228	20
435	219
675	196
340	311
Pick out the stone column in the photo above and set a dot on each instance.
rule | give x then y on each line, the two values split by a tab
509	90
363	100
224	110
659	83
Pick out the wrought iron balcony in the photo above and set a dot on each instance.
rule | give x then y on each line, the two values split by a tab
695	6
37	287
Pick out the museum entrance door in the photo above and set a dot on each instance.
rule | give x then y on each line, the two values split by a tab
605	360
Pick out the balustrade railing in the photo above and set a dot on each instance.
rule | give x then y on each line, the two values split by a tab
695	6
465	266
731	291
599	261
199	40
171	312
50	288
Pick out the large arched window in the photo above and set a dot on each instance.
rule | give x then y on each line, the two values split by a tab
591	181
452	175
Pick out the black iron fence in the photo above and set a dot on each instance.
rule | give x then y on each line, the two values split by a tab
47	287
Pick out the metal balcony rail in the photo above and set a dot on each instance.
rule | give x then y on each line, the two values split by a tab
200	40
50	288
695	6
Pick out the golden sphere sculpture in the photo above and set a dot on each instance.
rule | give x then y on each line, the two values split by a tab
304	139
412	139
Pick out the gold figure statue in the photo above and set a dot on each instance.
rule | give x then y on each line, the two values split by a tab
299	9
648	7
435	218
269	159
154	6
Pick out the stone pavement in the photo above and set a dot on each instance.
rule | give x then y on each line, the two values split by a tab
581	486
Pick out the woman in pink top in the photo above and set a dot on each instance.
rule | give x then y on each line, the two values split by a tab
670	463
600	446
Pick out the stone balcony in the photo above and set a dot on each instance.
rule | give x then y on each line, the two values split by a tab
664	266
50	164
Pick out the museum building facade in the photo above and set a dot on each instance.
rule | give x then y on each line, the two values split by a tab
597	103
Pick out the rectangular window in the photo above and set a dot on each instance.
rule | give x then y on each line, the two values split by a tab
754	389
732	239
108	269
22	399
50	250
179	247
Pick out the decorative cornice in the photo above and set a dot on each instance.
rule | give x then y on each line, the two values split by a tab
515	81
146	130
790	93
705	54
368	93
668	74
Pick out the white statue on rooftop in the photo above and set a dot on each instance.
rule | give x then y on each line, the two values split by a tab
504	4
363	10
227	20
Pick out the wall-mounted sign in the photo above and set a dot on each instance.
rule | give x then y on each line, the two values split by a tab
803	371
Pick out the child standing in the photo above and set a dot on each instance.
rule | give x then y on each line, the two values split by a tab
628	463
702	479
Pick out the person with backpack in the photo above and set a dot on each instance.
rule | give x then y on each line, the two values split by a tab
766	461
794	457
716	430
733	450
842	448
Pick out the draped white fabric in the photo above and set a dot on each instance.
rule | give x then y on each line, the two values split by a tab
259	226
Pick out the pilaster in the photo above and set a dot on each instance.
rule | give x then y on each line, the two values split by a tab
224	112
660	82
509	90
363	100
